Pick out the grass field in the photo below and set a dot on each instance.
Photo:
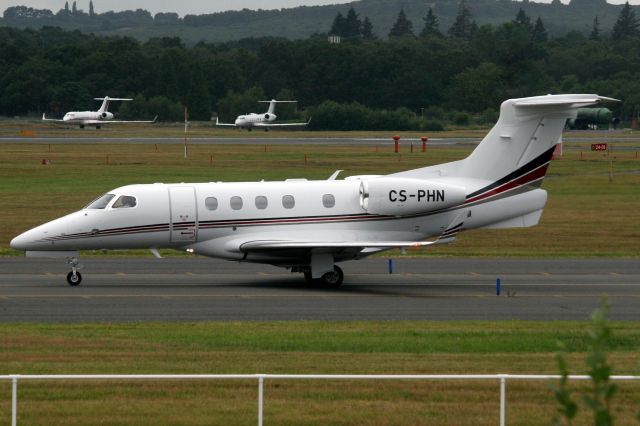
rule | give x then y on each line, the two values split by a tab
408	347
593	203
593	197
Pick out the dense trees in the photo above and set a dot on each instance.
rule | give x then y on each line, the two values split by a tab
402	27
395	83
351	27
627	24
464	26
431	25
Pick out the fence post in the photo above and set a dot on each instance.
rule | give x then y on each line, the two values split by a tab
14	400
503	400
260	398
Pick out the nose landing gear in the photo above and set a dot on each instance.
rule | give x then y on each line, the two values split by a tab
74	277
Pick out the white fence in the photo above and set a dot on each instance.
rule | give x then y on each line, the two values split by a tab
500	378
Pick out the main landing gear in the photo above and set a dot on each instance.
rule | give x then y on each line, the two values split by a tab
332	279
74	277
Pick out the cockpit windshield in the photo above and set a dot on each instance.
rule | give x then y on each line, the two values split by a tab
100	202
125	201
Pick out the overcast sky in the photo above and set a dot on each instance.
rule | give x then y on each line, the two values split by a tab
185	6
182	7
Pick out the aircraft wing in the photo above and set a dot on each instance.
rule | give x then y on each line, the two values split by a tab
44	118
218	123
281	124
93	122
270	245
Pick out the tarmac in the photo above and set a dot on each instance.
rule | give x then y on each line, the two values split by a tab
124	289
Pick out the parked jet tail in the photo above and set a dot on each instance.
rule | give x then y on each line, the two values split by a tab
106	101
272	104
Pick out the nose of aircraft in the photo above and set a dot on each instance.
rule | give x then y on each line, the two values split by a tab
19	242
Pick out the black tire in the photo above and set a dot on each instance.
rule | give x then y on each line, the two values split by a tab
82	126
333	279
74	279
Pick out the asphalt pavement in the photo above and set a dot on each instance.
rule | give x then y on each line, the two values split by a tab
196	289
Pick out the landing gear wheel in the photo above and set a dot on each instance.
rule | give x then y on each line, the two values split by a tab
74	278
333	279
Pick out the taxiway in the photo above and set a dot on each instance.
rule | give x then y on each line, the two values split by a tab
195	289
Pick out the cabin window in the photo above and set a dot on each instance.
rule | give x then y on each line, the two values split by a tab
211	203
288	202
236	203
124	202
261	202
328	200
100	202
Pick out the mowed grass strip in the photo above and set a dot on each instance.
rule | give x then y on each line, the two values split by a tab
593	197
404	347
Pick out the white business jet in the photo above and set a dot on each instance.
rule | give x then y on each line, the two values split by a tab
94	118
309	226
263	121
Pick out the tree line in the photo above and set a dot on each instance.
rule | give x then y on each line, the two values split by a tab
407	81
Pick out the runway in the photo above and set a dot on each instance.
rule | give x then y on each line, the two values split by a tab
622	144
122	289
249	140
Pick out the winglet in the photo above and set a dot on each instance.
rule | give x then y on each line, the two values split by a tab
155	119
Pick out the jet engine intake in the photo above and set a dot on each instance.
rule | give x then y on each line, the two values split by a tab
404	197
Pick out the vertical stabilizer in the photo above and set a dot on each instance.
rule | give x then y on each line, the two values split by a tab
105	105
525	135
272	106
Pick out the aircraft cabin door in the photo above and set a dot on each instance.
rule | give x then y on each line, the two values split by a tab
184	219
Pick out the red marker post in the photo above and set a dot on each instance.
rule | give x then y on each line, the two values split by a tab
396	140
424	140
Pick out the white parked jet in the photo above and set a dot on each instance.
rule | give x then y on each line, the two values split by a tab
94	118
309	226
263	121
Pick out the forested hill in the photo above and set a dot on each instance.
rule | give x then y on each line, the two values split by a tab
302	22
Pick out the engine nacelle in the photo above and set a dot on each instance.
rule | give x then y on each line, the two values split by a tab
404	197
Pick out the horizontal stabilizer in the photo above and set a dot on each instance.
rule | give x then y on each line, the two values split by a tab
112	99
572	101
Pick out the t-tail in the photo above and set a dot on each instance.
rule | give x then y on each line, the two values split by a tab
523	139
502	175
106	101
272	105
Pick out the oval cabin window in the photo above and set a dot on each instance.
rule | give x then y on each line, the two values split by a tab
328	200
261	202
211	203
288	202
236	203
